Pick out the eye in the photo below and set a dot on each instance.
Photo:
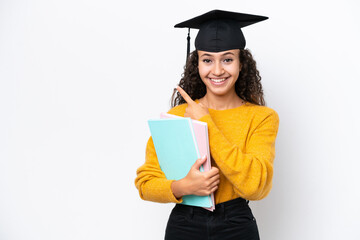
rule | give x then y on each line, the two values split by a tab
206	60
228	60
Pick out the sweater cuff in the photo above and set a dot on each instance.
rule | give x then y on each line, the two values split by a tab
206	118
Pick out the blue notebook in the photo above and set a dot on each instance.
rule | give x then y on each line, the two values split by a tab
176	149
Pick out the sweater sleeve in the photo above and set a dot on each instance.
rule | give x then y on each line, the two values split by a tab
249	169
151	181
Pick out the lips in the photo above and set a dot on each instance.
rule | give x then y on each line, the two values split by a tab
217	81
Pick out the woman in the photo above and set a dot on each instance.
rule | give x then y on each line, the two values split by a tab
220	86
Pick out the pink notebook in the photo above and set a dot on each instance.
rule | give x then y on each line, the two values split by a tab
202	139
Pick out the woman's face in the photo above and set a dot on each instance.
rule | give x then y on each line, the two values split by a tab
219	71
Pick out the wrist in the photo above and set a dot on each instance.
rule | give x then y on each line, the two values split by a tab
179	188
202	114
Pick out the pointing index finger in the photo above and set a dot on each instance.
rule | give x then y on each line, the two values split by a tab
186	97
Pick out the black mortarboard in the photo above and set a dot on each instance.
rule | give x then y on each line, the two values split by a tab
219	30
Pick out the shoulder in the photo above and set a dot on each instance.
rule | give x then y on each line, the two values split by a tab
264	115
178	110
263	111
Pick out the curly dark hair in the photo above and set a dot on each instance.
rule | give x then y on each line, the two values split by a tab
248	86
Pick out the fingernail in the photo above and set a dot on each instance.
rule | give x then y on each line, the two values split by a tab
204	156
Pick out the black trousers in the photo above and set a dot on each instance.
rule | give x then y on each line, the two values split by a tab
230	220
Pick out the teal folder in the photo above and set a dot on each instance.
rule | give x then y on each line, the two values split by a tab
176	149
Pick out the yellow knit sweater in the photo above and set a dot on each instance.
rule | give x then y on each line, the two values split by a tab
242	146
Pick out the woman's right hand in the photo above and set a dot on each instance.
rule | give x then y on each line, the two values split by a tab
196	182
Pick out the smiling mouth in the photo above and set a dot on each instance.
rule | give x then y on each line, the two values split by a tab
217	80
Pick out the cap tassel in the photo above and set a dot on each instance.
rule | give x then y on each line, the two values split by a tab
188	45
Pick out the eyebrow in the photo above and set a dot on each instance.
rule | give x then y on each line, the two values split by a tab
210	55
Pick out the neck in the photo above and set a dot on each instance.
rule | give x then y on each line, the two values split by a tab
224	102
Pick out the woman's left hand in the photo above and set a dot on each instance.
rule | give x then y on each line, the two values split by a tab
194	110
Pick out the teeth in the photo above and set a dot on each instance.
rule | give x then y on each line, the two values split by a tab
217	80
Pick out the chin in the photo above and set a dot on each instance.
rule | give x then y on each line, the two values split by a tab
218	93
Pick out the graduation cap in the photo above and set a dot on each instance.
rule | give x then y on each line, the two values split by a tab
219	30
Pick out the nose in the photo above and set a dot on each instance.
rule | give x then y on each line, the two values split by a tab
218	69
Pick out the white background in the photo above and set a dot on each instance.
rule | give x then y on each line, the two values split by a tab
79	79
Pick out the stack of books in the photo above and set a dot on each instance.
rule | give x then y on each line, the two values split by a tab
179	142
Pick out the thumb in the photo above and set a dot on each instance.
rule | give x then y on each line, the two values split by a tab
199	162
